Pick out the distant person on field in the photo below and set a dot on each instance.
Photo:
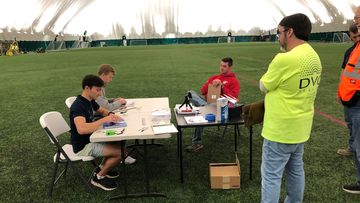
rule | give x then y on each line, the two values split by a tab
349	94
354	35
290	84
229	86
82	126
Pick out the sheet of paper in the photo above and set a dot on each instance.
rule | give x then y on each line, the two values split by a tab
164	129
195	119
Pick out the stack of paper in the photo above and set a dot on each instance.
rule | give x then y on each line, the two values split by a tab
161	116
164	129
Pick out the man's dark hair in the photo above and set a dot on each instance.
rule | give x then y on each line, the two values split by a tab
91	81
300	23
227	60
353	28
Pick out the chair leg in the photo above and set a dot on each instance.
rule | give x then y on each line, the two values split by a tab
92	174
53	179
93	171
94	163
65	170
81	177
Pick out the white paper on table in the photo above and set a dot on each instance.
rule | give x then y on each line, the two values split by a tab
130	103
195	119
164	129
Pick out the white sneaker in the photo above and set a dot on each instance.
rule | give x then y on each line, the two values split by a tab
129	160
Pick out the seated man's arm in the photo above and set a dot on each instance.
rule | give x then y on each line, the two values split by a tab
101	110
105	103
204	88
231	89
121	100
86	128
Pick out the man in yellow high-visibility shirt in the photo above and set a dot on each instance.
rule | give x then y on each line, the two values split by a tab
291	84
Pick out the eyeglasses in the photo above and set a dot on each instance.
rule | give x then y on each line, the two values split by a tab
355	36
356	17
278	31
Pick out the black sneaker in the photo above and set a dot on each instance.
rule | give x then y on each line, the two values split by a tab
194	148
103	183
353	188
110	174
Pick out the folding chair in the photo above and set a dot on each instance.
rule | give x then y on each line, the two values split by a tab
55	125
69	101
253	113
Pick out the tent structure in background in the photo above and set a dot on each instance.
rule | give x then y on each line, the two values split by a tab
112	19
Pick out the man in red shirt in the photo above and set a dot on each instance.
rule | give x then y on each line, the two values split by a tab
229	86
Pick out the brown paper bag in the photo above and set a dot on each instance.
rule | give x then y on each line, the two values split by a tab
213	93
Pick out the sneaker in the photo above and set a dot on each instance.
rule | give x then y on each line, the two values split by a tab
353	188
194	147
110	174
345	152
103	183
129	160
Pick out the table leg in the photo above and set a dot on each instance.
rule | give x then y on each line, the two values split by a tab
250	141
122	144
177	142
181	156
146	169
148	193
235	137
238	134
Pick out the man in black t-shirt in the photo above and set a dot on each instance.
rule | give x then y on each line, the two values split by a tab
82	126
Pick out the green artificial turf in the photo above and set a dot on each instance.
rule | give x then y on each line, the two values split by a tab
33	84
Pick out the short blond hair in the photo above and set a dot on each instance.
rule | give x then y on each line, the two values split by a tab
106	69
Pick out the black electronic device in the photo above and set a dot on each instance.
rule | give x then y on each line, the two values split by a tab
187	101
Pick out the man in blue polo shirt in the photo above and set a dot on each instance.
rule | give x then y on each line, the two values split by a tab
82	126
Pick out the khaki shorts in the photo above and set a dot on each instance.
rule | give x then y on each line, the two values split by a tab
92	149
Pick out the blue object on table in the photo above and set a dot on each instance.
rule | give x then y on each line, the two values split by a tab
110	125
210	117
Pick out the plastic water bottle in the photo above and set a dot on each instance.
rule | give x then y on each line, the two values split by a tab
222	111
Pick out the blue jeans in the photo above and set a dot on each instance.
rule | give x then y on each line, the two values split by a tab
197	135
277	157
197	100
352	118
347	112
